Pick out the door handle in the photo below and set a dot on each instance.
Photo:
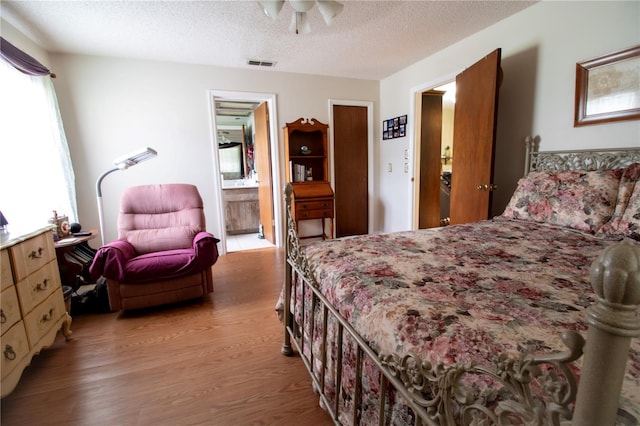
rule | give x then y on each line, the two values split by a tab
485	187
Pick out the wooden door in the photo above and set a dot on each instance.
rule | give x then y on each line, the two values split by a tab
263	167
430	161
351	159
474	139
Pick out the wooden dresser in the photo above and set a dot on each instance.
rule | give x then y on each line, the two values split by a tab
307	153
32	307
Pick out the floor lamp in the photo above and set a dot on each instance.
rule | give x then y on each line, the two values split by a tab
121	163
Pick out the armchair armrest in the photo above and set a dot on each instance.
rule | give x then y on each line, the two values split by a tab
206	249
110	260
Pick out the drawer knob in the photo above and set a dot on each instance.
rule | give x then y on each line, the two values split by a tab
42	286
3	317
9	353
47	316
36	254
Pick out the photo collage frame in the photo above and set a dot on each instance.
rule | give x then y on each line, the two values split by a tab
394	128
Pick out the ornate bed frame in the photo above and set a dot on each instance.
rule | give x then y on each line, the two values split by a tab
613	322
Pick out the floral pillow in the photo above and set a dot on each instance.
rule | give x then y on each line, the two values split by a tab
578	199
628	187
630	222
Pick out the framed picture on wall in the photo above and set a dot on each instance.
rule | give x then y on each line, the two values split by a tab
608	88
394	127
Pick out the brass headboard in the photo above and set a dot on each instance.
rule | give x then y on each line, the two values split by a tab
586	159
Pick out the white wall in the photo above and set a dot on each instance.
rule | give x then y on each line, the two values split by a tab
113	106
540	47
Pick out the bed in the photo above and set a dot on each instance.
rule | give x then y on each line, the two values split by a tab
482	323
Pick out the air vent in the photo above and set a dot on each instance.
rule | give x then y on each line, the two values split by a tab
261	63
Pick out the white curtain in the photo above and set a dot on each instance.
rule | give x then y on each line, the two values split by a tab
36	175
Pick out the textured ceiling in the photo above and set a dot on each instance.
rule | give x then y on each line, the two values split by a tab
368	40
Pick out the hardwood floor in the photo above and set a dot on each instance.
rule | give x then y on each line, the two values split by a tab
214	361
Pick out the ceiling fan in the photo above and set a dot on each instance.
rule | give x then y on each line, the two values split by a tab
329	9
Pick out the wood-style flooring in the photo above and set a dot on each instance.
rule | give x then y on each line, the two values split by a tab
213	361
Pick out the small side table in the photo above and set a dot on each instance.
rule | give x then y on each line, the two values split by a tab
72	247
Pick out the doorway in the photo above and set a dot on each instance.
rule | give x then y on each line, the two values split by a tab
435	143
245	173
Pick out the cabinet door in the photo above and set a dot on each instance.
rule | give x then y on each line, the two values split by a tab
243	215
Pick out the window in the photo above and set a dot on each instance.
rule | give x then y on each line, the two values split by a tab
36	175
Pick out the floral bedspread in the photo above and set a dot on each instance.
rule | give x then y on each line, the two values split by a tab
467	292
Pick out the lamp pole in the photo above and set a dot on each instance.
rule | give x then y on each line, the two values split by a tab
100	206
122	163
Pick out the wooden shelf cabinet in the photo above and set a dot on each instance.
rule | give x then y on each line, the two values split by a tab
32	304
306	152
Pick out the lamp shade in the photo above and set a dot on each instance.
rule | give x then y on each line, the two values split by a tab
272	8
302	5
329	9
134	158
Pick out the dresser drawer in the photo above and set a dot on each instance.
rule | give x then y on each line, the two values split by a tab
39	321
6	277
9	309
15	348
38	286
32	255
314	205
314	214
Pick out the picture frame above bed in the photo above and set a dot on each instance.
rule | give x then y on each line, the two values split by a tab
608	88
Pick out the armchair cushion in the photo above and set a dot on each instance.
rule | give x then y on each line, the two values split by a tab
120	261
161	239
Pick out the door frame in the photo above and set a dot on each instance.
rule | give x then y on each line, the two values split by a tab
371	196
270	99
415	117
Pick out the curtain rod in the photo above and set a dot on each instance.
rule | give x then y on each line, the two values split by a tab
22	61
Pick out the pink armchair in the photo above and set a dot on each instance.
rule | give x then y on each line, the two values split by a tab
163	253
